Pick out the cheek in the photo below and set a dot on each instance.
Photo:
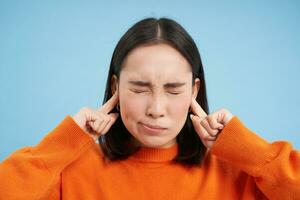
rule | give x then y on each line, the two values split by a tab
181	106
179	112
131	107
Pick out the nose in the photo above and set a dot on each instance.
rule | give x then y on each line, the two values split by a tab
156	106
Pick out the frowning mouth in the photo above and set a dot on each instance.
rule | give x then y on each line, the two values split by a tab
153	126
152	129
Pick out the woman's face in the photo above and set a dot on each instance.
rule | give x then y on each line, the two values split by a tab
155	89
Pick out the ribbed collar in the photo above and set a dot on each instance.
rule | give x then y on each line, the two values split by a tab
147	154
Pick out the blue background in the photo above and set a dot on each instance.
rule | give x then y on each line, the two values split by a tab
54	59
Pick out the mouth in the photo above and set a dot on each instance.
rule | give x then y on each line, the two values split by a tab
153	126
152	129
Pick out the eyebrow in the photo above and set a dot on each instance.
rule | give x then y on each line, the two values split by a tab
148	84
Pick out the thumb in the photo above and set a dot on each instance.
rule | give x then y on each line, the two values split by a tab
113	118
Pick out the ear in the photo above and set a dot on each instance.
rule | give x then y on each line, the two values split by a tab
196	88
114	83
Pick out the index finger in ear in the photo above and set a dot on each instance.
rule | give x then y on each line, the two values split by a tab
111	103
196	108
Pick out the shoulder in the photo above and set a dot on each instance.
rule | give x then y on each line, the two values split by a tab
216	165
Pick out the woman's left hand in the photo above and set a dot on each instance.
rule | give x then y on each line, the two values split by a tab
209	126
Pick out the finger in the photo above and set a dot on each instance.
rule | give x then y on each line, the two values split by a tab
98	122
210	131
103	125
200	130
92	127
111	122
111	103
205	135
196	108
213	122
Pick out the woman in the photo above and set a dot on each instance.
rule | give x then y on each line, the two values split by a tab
153	137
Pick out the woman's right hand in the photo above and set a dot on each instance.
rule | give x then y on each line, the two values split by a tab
98	122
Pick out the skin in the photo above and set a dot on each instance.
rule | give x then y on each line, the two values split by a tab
154	103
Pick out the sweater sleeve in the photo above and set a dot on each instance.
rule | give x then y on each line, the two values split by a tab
34	172
274	166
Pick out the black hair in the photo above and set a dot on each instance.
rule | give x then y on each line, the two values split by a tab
118	143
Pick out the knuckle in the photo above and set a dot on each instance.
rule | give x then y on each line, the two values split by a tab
203	122
210	119
212	123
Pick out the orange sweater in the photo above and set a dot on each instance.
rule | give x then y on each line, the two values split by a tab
68	164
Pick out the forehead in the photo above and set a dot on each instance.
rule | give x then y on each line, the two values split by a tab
156	61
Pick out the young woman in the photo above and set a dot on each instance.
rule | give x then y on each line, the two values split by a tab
153	137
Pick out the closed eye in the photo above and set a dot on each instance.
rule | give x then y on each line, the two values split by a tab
135	91
140	91
175	93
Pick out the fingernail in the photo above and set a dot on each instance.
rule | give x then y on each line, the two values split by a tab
191	116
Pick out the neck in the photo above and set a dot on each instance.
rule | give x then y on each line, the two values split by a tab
155	154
